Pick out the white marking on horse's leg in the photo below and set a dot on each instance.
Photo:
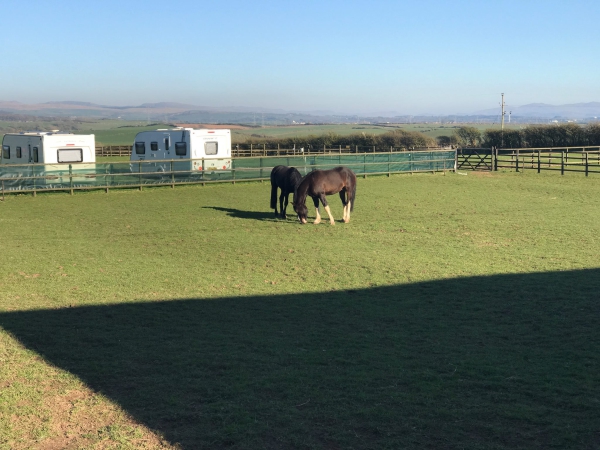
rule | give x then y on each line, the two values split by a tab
348	216
318	219
346	212
331	221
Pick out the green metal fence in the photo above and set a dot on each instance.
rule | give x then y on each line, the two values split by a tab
69	177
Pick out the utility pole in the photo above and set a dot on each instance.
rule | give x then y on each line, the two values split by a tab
502	126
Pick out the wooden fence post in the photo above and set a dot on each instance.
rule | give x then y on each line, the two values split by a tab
496	159
172	176
586	163
71	178
456	160
562	162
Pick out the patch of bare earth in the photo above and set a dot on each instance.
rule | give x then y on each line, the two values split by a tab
81	418
481	173
212	126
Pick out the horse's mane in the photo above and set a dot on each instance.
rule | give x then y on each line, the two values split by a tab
302	186
295	178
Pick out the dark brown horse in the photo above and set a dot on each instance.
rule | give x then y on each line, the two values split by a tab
287	179
320	183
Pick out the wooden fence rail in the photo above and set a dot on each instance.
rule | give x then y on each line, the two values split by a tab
113	150
564	159
582	159
238	151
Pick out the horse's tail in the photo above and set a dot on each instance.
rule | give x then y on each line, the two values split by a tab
353	193
273	194
274	188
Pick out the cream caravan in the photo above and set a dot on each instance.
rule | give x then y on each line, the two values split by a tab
48	148
205	150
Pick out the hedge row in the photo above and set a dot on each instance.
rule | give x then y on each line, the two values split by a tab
396	139
532	136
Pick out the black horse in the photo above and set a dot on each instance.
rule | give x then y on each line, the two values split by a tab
287	179
320	183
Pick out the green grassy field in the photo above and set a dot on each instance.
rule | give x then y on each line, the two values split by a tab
107	131
452	312
117	132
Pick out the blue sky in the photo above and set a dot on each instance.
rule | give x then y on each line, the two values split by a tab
353	57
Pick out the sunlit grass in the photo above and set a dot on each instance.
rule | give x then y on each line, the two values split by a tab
292	293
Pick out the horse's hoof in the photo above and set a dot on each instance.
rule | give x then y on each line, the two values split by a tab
332	223
316	222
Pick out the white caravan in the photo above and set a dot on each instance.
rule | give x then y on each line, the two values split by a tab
206	150
48	148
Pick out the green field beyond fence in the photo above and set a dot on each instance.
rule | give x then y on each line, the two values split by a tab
40	177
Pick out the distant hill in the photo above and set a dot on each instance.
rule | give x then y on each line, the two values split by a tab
172	112
575	111
72	103
170	105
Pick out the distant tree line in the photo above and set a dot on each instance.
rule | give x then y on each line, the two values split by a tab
559	135
531	136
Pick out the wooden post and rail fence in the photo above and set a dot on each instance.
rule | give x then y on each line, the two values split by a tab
584	160
250	150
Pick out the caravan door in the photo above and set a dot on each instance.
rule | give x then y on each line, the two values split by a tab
217	154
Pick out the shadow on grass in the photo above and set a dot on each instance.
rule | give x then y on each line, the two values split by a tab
507	361
240	214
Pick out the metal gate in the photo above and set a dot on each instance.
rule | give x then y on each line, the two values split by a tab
469	158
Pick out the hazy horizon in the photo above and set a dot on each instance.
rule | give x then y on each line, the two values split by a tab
534	110
351	57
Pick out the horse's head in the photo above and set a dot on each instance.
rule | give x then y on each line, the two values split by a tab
301	210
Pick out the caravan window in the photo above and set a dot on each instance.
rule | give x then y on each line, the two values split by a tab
69	155
167	144
5	152
154	146
35	155
180	148
140	148
19	152
211	148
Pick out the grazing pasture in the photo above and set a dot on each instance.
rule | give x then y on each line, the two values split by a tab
451	312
